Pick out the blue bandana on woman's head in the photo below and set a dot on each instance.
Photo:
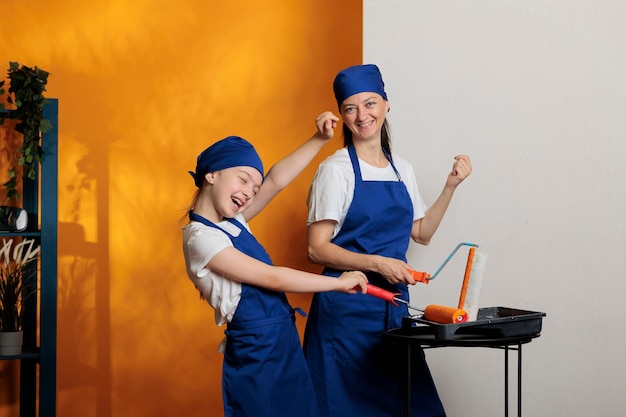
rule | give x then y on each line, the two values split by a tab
358	79
229	152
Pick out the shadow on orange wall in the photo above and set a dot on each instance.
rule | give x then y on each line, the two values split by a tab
143	87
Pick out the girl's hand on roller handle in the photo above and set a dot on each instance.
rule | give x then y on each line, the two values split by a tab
352	281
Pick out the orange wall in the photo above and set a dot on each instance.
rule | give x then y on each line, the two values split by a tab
143	87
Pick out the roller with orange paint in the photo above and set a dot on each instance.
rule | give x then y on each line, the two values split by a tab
473	282
435	313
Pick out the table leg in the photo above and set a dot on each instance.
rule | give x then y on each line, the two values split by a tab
519	380
407	392
506	381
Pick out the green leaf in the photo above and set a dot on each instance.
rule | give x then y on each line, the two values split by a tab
45	125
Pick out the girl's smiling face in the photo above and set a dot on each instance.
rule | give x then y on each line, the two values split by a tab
364	114
233	189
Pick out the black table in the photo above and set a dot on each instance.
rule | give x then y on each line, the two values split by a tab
424	337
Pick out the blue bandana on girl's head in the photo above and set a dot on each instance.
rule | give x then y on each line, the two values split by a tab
229	152
358	79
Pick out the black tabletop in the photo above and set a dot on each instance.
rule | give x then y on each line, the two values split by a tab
425	336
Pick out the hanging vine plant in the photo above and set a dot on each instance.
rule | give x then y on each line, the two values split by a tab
25	105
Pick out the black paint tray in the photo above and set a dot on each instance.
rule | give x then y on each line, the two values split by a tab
490	322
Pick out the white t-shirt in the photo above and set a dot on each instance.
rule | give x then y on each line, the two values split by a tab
332	188
200	244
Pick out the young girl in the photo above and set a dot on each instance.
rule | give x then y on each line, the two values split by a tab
264	371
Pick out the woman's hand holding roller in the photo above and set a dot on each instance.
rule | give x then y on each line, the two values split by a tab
394	271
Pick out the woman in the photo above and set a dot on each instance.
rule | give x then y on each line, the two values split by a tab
364	208
264	373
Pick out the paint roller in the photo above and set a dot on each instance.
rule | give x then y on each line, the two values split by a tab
425	277
435	313
472	279
473	282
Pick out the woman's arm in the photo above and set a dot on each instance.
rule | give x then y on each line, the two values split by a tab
236	265
424	228
322	251
288	168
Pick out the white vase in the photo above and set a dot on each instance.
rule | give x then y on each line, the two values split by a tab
11	343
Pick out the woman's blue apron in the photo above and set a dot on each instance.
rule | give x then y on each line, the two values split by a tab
264	373
355	371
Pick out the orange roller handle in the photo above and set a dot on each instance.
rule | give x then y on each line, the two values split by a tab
382	294
445	315
419	276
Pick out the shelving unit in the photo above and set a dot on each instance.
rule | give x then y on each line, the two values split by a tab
38	359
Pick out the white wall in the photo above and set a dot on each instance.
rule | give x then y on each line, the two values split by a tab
535	92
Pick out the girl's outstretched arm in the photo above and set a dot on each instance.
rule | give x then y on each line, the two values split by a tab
238	266
288	168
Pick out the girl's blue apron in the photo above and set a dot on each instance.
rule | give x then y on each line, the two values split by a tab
355	371
264	372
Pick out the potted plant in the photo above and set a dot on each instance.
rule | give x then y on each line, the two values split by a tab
25	105
15	286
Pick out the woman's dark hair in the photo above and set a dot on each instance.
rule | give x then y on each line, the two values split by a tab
385	137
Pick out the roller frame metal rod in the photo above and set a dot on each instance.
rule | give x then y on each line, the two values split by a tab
433	276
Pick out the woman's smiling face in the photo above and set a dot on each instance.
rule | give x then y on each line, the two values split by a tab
364	114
